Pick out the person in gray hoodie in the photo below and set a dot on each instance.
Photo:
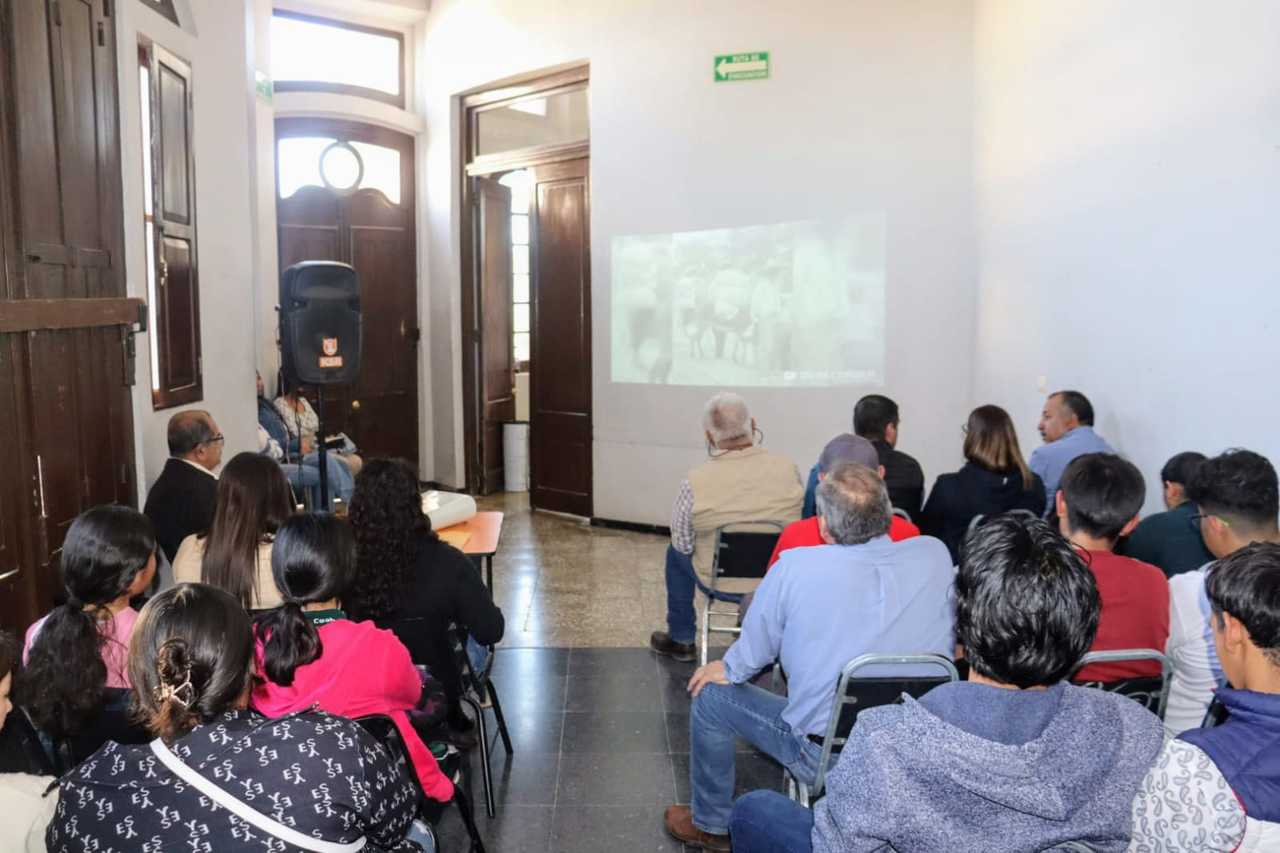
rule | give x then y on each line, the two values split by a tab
1014	759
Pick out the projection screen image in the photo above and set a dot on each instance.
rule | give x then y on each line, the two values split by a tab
791	304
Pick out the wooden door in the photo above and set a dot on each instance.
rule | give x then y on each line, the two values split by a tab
64	363
371	227
491	337
560	359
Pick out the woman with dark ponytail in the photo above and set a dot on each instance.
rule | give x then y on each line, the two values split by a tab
78	651
310	655
191	665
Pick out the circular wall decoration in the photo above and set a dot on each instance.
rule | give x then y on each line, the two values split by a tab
341	168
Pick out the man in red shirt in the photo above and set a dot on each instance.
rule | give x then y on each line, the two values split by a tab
843	448
1098	501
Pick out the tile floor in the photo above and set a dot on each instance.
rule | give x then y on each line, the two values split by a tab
601	739
599	724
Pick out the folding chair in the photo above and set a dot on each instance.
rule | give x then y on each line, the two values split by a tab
739	560
854	695
479	694
384	729
1152	692
902	513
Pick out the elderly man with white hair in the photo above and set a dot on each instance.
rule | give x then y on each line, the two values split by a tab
740	482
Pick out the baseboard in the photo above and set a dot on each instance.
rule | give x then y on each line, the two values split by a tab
637	526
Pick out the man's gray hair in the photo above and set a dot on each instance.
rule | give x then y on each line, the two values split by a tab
726	417
854	503
188	430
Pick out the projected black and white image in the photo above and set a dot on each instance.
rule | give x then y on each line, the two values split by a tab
797	303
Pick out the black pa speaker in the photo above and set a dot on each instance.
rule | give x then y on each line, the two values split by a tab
320	338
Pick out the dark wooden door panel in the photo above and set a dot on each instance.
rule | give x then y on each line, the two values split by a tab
492	337
179	305
18	604
560	384
380	410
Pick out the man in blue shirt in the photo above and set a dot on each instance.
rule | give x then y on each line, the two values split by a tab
1066	425
816	609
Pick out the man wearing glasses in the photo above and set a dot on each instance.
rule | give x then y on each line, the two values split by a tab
181	501
1239	501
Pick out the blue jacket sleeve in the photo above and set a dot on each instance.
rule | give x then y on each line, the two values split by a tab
810	507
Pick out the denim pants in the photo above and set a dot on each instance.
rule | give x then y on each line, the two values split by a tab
767	822
682	625
721	713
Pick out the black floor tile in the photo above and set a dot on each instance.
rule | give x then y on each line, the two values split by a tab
615	779
515	829
524	778
615	732
613	692
616	829
533	732
597	662
677	731
680	773
755	770
532	662
674	691
525	694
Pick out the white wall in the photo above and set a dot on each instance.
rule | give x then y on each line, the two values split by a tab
223	138
1128	184
869	108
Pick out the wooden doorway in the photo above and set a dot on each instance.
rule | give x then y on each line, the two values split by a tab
345	192
542	325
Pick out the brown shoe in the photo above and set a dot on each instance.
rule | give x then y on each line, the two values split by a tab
661	642
679	822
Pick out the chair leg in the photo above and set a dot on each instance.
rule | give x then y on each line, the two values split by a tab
463	802
706	634
485	772
497	715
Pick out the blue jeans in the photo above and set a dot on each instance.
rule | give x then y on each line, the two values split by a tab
721	712
767	822
478	655
682	624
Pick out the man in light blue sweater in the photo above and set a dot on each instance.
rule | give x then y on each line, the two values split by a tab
817	609
1014	759
1066	425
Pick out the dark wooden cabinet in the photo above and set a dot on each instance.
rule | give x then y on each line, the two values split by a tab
65	411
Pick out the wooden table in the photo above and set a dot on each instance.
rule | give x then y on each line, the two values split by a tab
485	529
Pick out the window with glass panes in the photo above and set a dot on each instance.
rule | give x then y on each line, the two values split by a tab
520	184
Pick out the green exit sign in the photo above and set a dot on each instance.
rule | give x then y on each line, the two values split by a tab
742	66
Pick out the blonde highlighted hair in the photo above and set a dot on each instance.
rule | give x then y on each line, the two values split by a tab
991	442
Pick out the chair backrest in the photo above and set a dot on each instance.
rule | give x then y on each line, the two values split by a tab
1152	692
902	513
743	549
113	722
855	694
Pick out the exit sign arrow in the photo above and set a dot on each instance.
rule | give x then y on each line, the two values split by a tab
742	66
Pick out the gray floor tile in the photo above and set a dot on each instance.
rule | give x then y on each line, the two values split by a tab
595	662
615	779
538	731
515	829
524	778
616	829
615	732
613	692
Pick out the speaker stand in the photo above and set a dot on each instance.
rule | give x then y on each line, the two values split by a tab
322	450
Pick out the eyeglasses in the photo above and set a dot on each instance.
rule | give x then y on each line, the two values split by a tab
217	438
1195	520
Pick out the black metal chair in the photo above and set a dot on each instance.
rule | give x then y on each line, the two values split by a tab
1152	692
739	560
451	764
112	722
854	695
479	694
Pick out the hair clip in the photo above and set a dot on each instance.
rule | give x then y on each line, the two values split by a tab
169	693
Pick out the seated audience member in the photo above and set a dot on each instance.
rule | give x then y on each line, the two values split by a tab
1014	759
181	500
1098	502
1239	501
80	649
298	458
843	448
1066	425
191	664
413	583
1169	540
814	612
235	554
27	811
303	424
1217	789
875	418
994	480
740	482
310	655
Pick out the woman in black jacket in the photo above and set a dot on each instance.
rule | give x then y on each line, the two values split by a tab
411	582
995	479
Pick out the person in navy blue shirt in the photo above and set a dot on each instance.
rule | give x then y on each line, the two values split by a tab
1218	789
